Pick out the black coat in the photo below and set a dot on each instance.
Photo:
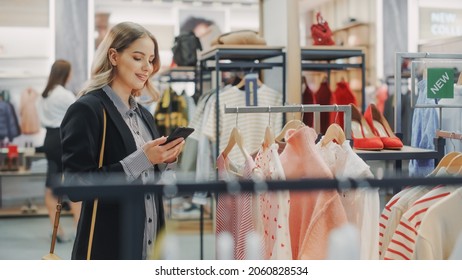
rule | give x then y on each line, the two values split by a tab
81	136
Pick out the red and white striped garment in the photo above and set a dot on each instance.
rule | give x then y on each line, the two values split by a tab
402	243
234	211
392	213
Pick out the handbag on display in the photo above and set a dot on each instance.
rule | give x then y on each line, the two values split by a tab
321	33
51	255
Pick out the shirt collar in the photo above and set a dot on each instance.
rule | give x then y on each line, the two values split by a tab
120	105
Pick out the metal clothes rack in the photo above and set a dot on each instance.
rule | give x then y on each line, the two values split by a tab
312	56
399	57
129	195
179	74
239	58
346	109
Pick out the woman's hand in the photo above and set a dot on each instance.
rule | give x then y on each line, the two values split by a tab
167	153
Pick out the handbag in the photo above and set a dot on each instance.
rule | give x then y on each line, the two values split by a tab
321	33
51	255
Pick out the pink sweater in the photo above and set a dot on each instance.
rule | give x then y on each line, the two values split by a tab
313	214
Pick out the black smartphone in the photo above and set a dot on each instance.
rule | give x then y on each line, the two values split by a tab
179	132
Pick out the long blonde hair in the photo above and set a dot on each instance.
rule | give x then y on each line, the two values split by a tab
120	37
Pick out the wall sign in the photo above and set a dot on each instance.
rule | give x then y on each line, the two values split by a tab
439	23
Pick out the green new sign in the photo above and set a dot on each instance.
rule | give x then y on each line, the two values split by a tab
440	83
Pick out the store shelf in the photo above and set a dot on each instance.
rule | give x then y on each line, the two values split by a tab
241	52
406	153
329	53
327	58
178	74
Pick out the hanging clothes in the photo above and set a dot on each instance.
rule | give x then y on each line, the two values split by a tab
407	112
251	125
381	96
343	96
451	119
424	126
273	207
315	213
29	117
440	229
362	205
308	97
234	212
171	112
402	243
386	230
324	96
9	126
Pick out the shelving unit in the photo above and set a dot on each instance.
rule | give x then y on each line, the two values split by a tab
239	58
326	58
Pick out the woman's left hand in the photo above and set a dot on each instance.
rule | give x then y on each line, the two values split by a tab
176	152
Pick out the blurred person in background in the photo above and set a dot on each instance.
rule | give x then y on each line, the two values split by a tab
52	106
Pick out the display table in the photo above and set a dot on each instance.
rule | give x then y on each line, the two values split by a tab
21	173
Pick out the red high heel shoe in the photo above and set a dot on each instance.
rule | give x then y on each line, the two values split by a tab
381	128
363	136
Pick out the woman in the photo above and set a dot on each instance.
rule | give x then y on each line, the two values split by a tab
54	103
124	62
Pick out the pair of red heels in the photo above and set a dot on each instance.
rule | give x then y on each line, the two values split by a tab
372	131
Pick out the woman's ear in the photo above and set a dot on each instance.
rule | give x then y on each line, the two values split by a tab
113	55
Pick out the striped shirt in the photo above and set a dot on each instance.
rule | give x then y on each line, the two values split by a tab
137	164
392	213
402	243
251	126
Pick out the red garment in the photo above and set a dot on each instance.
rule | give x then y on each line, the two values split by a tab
324	97
381	97
343	96
308	98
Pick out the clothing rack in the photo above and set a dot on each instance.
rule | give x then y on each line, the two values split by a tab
399	58
129	195
448	135
332	57
239	58
317	109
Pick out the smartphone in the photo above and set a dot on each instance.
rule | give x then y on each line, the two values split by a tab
179	132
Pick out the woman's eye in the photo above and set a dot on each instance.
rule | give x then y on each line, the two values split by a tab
137	58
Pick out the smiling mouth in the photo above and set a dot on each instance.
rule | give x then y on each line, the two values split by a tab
142	77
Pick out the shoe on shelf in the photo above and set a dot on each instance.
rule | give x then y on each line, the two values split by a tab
381	128
362	134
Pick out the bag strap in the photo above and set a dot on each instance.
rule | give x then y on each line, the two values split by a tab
95	202
56	225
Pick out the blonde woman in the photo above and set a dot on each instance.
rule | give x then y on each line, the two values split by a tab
124	62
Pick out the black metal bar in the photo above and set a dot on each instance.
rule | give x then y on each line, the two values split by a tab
123	191
330	66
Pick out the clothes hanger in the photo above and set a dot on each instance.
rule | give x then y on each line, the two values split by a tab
269	135
235	138
241	83
292	124
444	162
333	132
454	165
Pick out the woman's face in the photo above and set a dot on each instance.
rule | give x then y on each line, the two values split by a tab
133	65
